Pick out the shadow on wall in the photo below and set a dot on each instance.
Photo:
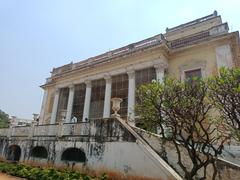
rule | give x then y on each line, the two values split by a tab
13	153
74	154
39	152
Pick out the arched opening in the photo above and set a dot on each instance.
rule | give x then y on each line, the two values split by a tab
73	154
14	153
39	152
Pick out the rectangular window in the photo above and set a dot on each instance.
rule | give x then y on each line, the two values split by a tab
78	101
120	90
191	74
97	99
145	76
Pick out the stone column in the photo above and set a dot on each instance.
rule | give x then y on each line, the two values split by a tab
131	94
44	102
160	70
55	107
70	103
87	100
107	98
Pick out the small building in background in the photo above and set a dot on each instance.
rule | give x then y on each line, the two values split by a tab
15	121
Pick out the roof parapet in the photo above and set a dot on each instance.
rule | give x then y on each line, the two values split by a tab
218	29
191	23
152	41
214	31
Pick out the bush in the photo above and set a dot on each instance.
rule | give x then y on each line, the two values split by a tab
37	173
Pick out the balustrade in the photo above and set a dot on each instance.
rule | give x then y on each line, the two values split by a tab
46	130
20	131
105	127
76	129
4	132
100	59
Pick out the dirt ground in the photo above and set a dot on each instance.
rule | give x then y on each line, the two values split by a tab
7	177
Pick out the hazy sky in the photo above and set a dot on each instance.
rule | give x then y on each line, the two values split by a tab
37	35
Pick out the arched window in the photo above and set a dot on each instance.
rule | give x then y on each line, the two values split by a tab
73	154
14	153
39	152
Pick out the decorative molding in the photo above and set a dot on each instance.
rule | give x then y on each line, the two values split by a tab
160	66
162	62
57	90
131	74
198	64
107	78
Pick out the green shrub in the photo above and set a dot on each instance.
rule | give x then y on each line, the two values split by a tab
37	173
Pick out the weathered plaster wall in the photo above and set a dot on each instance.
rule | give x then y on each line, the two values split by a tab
109	144
198	57
48	106
199	27
226	169
224	56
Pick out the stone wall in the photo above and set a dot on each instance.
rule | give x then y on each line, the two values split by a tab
226	169
106	143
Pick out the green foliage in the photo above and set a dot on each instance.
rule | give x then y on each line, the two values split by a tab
225	95
182	112
104	176
148	98
37	173
4	119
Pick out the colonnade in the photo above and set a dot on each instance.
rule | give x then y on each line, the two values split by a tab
159	69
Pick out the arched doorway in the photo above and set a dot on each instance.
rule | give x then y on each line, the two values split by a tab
14	153
73	154
39	152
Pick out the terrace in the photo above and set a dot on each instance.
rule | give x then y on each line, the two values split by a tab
107	129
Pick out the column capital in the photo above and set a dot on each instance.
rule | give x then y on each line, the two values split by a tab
57	90
107	78
131	74
161	66
88	83
71	87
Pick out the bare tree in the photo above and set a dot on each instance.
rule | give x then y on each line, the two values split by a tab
183	113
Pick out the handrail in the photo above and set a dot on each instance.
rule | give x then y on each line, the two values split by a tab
150	149
47	124
21	126
228	162
79	122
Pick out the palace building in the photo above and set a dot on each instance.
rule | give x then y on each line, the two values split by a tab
75	127
82	90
